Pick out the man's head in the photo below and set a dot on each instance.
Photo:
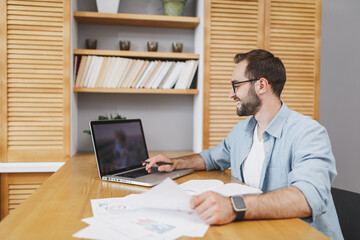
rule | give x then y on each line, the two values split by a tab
263	64
257	74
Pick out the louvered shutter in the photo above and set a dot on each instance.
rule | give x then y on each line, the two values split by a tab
17	187
291	31
38	70
294	36
233	27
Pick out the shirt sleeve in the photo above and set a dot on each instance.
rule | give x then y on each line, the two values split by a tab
313	167
217	157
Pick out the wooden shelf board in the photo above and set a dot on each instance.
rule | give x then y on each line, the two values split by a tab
137	54
141	20
138	91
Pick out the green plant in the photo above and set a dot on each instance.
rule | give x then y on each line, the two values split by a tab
173	7
106	117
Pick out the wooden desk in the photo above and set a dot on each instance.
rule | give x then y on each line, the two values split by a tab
54	211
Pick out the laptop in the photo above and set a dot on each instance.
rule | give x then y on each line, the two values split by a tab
120	149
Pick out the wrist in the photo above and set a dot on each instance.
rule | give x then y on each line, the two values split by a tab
176	162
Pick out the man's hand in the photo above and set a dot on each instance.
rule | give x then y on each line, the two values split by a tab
161	168
214	208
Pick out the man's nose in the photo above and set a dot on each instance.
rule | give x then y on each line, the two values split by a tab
232	94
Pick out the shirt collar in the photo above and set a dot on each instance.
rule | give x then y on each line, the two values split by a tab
276	125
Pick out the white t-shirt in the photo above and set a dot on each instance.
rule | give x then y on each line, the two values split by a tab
253	164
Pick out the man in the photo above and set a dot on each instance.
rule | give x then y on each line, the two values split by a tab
285	154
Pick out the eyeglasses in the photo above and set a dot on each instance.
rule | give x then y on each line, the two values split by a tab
234	83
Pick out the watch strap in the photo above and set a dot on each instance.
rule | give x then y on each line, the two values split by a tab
239	216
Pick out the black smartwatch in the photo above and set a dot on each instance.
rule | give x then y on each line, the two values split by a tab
239	207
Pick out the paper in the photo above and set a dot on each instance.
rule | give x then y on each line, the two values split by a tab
144	224
162	212
167	195
112	205
195	187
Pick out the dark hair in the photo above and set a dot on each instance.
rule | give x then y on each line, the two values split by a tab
263	64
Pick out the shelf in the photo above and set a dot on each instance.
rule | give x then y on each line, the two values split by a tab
141	20
137	54
138	90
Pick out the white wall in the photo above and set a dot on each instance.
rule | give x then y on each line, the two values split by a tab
73	100
340	87
198	99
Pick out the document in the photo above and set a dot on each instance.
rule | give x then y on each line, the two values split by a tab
167	195
195	187
112	205
163	212
146	223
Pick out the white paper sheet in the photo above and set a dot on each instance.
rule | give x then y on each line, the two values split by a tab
144	224
113	205
195	187
167	195
162	212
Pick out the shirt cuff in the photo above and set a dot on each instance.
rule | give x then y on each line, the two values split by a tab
209	164
312	197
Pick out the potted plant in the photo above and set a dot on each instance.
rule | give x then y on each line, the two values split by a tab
174	7
107	6
106	117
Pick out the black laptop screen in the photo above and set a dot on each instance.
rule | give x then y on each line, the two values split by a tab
120	145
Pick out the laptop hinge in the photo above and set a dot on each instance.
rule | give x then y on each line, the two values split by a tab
135	169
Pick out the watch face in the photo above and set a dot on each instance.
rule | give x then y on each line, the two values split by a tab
239	204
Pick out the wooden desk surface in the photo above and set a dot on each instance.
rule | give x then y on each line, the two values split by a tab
54	211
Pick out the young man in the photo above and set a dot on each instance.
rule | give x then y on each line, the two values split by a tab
285	154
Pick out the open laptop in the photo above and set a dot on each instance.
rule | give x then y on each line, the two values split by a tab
120	149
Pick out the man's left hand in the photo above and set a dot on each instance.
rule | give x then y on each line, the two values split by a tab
214	208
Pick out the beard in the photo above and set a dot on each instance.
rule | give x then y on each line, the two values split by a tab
250	104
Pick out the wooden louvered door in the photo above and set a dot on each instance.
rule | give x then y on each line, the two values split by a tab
35	89
35	83
17	187
288	28
232	26
293	34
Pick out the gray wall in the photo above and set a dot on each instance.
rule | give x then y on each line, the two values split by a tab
167	119
340	87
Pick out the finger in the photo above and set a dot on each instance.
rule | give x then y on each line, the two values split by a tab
149	163
197	200
207	201
202	208
165	168
194	202
159	158
152	161
208	215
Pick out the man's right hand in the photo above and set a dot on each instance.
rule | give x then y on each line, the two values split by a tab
161	168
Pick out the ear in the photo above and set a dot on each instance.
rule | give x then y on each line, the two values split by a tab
263	85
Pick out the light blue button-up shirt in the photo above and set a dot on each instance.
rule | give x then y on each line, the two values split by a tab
297	153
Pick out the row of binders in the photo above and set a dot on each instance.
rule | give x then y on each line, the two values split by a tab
119	72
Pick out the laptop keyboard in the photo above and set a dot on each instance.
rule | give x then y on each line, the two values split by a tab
137	173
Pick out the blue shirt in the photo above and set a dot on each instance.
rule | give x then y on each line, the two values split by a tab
297	153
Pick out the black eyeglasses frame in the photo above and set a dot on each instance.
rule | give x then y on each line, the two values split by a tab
235	82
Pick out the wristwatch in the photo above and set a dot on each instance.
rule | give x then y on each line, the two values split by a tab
239	207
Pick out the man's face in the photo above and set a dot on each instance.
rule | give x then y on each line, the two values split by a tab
247	101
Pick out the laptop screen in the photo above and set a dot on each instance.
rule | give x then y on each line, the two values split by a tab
119	145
